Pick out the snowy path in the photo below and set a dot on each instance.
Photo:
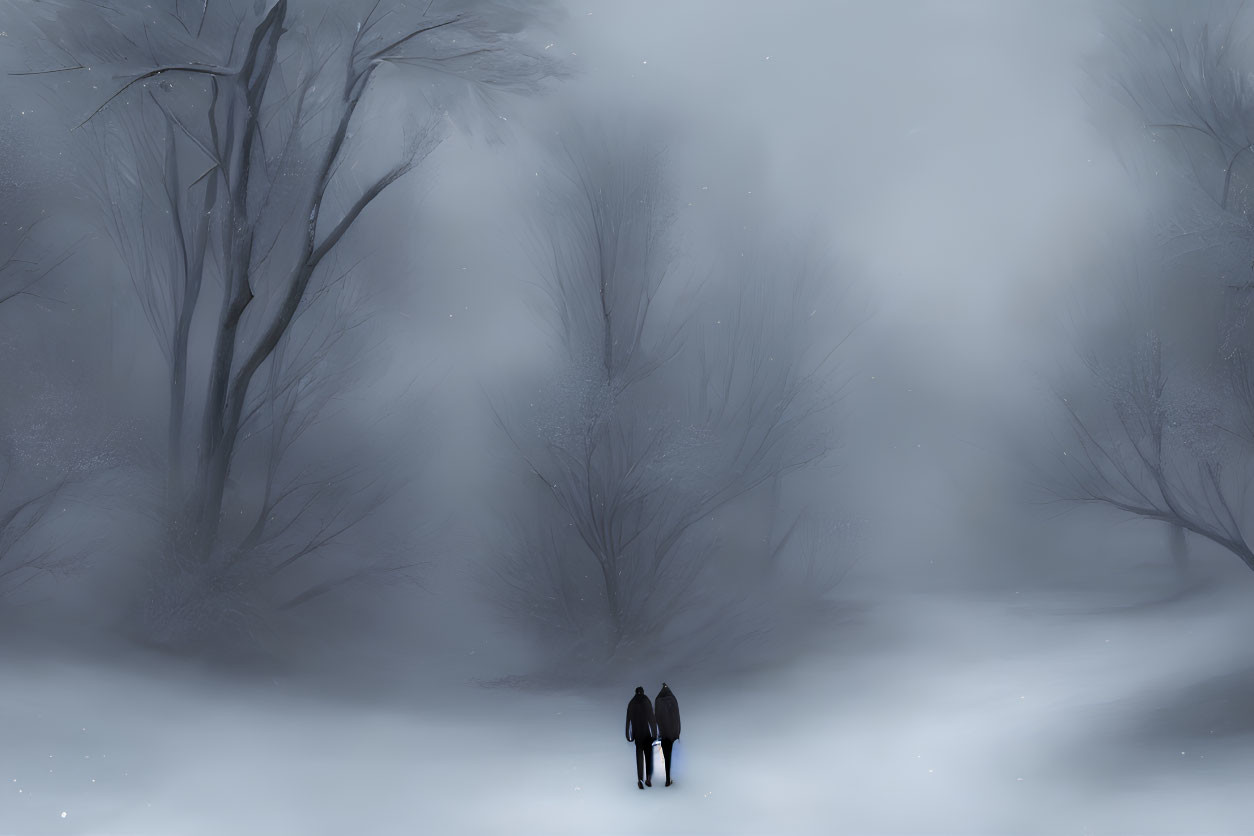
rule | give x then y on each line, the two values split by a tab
984	719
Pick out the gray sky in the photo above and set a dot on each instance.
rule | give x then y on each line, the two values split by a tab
945	147
945	150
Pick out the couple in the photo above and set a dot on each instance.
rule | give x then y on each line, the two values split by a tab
643	727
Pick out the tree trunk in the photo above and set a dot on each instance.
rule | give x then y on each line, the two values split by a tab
179	348
1179	548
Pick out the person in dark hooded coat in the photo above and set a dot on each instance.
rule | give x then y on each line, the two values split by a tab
666	710
642	730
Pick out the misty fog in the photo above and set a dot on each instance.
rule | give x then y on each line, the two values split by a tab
389	389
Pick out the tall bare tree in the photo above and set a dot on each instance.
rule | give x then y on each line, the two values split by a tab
675	400
237	156
30	494
1161	429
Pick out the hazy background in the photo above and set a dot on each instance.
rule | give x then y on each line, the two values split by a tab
948	154
996	663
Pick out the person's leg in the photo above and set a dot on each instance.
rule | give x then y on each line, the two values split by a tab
667	745
647	753
639	765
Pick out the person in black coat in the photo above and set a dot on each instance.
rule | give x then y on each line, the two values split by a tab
641	730
666	709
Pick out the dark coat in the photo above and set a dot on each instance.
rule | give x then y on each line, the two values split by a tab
640	723
667	710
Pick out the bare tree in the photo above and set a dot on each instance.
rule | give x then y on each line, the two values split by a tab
675	400
1162	428
232	170
1162	446
22	513
1187	82
37	473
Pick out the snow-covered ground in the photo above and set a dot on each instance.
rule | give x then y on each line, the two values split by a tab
994	716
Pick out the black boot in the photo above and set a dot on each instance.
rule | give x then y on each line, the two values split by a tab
640	784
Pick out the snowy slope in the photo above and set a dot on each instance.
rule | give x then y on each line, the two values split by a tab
983	718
